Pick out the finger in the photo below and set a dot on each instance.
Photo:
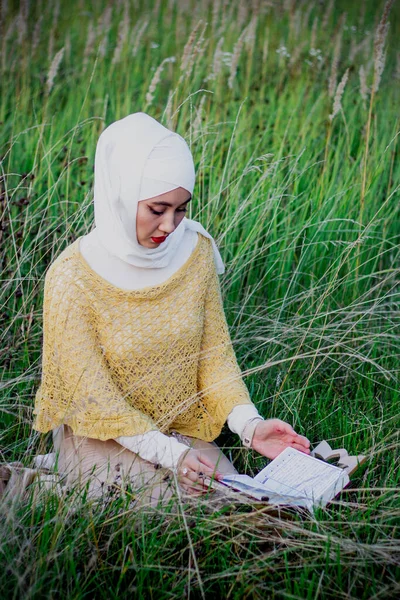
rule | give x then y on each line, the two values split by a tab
193	480
299	439
284	427
301	448
193	486
303	440
192	491
207	462
209	469
194	477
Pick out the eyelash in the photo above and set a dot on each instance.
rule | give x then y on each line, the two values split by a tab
155	212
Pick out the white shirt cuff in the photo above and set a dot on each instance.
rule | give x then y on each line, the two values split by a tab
155	447
240	415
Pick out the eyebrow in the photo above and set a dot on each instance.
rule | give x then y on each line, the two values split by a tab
161	203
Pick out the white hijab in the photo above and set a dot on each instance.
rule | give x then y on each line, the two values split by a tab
138	158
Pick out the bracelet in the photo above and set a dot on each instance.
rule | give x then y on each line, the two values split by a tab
248	431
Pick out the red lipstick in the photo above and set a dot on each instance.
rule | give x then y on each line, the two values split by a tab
159	240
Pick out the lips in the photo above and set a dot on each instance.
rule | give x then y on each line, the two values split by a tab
159	240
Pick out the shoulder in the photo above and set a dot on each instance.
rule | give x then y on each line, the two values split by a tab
63	270
202	261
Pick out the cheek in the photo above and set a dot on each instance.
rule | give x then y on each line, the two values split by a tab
144	220
178	218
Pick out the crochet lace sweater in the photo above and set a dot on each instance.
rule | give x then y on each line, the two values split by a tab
121	363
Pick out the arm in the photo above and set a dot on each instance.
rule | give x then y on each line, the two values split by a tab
224	392
155	447
219	379
77	387
240	415
190	465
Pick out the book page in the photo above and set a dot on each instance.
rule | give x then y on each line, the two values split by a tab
270	490
306	474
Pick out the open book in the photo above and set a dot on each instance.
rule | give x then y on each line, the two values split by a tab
297	479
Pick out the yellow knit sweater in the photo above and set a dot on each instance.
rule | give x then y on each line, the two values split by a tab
119	363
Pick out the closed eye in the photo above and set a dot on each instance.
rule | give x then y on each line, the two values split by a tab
156	212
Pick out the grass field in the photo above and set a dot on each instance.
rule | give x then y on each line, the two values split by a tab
291	110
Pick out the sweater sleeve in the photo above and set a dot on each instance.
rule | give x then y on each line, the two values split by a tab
155	447
220	383
240	415
77	388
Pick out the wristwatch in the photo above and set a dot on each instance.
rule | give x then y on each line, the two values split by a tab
248	431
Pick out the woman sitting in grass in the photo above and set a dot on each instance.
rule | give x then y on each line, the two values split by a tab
139	373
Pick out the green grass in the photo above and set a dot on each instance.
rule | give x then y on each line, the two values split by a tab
306	212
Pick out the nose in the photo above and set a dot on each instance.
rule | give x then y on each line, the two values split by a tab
167	225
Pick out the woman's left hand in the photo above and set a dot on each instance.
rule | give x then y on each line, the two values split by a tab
272	436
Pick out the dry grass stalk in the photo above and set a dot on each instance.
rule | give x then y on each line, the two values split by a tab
103	28
242	14
138	37
327	14
50	47
156	79
9	32
103	46
196	127
255	7
188	49
67	46
216	7
168	111
3	11
379	45
363	84
297	52
53	69
336	57
168	14
36	35
191	51
156	8
56	13
313	40
306	17
397	71
250	37
225	15
337	103
201	44
217	60
123	31
22	21
90	39
104	22
237	51
265	48
295	18
356	48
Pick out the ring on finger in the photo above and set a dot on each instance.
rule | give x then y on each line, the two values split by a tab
185	471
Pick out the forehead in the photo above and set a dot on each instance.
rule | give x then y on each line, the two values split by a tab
174	198
164	203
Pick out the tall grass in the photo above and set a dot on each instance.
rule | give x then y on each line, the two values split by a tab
291	112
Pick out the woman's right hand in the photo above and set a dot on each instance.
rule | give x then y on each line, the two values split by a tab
193	467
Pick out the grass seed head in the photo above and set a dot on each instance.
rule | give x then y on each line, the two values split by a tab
337	103
379	45
53	69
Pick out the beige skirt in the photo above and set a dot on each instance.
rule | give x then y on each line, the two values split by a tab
105	468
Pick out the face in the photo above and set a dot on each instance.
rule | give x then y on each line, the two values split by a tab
158	217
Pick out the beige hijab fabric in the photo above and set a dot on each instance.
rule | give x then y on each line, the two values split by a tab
137	156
